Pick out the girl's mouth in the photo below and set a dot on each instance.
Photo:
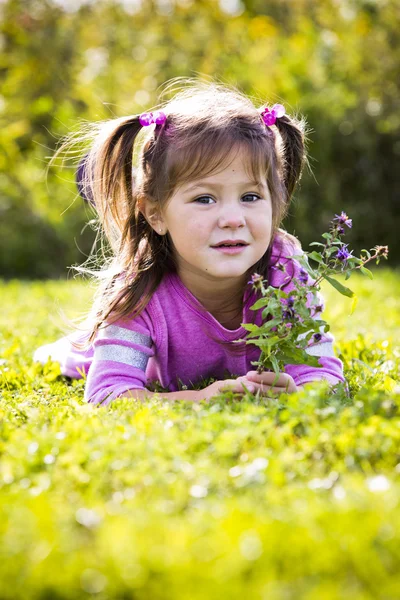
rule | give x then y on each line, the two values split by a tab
231	248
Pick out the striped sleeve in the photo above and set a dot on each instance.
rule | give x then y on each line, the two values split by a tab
331	367
121	353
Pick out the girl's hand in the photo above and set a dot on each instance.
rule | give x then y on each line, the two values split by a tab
219	387
253	382
269	382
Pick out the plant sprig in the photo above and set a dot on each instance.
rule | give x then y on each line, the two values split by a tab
291	320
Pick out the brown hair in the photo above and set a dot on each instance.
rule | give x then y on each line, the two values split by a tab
203	120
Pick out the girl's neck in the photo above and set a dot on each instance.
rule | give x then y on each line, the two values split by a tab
223	299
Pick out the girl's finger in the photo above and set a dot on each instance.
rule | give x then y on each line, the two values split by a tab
283	380
238	386
271	378
245	386
267	389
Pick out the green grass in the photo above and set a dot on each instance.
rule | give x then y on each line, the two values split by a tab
268	499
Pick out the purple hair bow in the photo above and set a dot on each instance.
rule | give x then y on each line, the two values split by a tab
156	118
270	115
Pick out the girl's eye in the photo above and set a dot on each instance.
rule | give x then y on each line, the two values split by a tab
253	197
208	200
204	200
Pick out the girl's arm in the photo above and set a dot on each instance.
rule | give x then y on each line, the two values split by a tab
121	354
218	387
118	370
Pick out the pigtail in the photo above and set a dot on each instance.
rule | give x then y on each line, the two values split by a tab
105	179
108	175
293	137
140	255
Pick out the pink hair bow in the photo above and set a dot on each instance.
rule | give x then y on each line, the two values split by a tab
158	118
269	116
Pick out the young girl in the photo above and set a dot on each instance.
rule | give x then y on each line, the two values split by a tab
214	177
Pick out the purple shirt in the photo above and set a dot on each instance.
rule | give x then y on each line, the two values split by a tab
175	339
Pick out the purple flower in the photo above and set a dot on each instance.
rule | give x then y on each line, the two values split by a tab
340	230
343	254
279	267
290	301
288	314
343	219
317	337
256	280
303	277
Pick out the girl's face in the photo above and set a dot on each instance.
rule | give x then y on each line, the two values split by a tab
225	207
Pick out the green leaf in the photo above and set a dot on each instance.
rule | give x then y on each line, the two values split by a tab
297	356
265	327
367	272
258	331
317	257
250	327
339	287
265	344
260	303
330	251
317	244
275	364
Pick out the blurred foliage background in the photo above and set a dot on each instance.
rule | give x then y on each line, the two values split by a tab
63	61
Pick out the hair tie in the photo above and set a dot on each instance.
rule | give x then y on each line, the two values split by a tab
149	118
270	115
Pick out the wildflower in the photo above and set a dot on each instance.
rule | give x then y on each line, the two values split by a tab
303	276
340	229
382	251
279	267
290	301
256	280
288	314
343	254
343	219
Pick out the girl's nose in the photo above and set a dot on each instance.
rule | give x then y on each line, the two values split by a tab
231	217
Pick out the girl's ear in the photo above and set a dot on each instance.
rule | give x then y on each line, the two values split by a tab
151	212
